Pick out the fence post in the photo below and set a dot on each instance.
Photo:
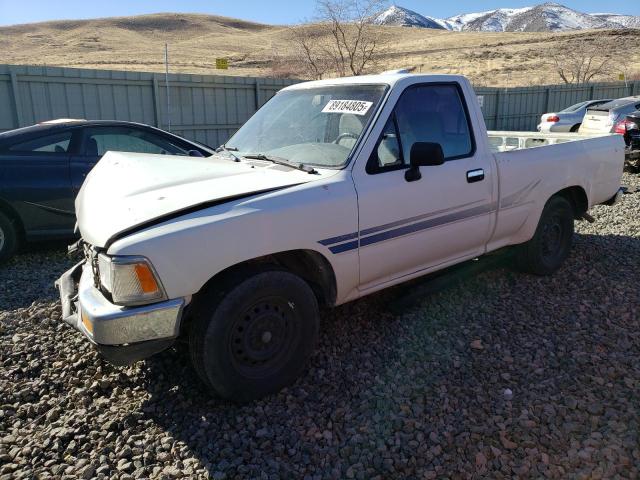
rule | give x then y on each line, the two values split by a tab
17	104
547	95
156	101
257	93
497	110
592	92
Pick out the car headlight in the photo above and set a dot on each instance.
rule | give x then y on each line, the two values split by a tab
130	280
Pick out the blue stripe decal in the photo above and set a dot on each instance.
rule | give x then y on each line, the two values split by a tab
435	222
341	238
411	219
344	247
398	232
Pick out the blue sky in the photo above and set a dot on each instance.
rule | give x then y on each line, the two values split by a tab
267	11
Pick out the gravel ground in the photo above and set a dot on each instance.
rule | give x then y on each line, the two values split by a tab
501	375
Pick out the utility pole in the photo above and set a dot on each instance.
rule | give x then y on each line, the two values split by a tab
166	84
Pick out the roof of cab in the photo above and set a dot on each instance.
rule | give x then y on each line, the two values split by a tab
390	79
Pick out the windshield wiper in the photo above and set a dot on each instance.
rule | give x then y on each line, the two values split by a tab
229	150
281	161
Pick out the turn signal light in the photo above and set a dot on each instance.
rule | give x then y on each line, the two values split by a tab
145	276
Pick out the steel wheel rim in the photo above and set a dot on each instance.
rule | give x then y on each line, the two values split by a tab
552	235
262	337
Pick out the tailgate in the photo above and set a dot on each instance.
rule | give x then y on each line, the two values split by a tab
596	121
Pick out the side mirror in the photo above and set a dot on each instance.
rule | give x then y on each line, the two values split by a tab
423	154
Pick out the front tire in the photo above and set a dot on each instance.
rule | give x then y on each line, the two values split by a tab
551	243
253	335
8	238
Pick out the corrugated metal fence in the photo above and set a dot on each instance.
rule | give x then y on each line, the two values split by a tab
209	108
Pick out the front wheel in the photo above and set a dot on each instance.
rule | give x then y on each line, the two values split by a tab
253	335
551	243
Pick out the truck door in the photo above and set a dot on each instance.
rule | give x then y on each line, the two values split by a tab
409	225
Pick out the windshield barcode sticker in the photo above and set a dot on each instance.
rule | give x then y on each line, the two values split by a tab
357	107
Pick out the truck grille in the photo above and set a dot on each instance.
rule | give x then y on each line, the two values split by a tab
91	257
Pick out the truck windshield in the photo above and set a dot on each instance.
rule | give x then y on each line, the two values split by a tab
313	126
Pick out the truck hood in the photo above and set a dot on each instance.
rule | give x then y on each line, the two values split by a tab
126	191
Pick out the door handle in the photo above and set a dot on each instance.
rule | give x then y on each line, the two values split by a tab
476	175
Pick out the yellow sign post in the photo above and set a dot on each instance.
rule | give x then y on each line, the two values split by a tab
222	64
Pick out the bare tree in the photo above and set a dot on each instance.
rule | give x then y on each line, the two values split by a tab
581	63
311	53
343	40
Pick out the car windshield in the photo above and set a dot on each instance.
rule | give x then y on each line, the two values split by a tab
317	126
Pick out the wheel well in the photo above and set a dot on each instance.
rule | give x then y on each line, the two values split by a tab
309	265
578	199
8	210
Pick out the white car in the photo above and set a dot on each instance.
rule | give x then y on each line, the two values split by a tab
606	117
333	190
569	119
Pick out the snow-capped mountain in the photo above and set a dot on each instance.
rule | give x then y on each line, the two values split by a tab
546	17
628	21
403	17
458	22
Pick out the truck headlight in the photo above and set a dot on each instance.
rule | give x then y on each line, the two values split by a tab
130	280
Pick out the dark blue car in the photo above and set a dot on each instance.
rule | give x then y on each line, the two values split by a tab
43	166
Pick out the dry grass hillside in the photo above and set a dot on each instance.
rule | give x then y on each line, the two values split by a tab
137	43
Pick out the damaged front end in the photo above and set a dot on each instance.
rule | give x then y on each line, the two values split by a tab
122	334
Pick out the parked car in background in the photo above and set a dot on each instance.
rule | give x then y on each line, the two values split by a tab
569	119
43	166
630	128
603	118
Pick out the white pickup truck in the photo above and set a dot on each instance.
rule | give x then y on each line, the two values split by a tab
331	191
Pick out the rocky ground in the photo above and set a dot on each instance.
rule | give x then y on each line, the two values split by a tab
499	375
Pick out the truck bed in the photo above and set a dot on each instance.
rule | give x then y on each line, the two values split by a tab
505	141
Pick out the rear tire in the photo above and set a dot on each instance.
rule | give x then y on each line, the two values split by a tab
551	243
575	128
8	238
254	335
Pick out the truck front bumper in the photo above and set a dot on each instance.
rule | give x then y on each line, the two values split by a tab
123	335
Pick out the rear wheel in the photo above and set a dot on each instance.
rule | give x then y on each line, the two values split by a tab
8	238
551	243
254	335
575	128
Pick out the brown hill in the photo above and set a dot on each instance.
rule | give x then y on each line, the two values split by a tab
137	43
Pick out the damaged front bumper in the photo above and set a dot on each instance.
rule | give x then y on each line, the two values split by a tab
123	335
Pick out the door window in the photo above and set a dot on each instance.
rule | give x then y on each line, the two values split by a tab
100	140
56	143
424	113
